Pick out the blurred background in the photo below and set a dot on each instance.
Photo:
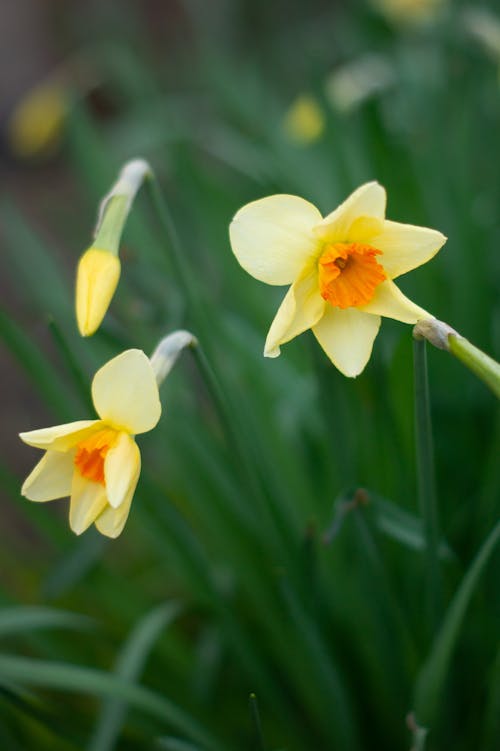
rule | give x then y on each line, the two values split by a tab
255	568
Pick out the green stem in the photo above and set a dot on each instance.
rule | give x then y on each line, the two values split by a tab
243	451
487	369
178	258
432	677
426	482
254	710
444	337
234	430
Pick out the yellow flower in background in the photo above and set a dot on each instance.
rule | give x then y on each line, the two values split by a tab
97	462
409	11
340	269
304	122
98	269
35	126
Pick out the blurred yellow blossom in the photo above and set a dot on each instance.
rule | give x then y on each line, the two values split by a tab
97	462
304	121
340	269
409	12
36	123
99	267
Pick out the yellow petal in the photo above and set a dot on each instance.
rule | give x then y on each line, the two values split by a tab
51	478
347	337
301	308
88	499
405	247
368	201
272	238
112	520
97	276
60	437
389	301
121	469
125	393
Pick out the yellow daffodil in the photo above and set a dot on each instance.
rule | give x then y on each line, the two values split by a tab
35	126
304	121
341	269
410	12
99	267
97	462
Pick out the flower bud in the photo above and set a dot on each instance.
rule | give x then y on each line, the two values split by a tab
99	267
97	277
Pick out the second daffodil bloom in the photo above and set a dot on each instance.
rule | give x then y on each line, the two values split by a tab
97	462
341	269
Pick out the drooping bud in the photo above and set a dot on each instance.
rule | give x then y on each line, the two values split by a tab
99	267
168	350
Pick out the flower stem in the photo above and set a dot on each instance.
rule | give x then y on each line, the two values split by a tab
257	725
480	363
444	337
178	258
269	512
426	483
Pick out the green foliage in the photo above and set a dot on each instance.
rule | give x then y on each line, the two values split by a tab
275	547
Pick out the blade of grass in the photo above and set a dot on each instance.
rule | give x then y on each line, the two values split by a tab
257	725
426	485
78	679
28	617
431	679
129	665
50	386
72	365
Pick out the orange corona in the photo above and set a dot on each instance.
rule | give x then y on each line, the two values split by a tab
348	274
91	452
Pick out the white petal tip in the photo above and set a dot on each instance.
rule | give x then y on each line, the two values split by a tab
272	353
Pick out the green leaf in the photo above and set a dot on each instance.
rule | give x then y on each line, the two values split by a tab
27	617
404	527
432	676
175	744
128	667
49	384
78	679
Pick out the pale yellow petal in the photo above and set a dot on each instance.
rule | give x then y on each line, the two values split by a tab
301	308
273	238
121	469
88	499
96	280
405	247
112	520
60	437
51	478
125	393
389	301
345	225
347	337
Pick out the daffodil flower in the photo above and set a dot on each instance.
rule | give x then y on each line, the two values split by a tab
97	462
341	269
